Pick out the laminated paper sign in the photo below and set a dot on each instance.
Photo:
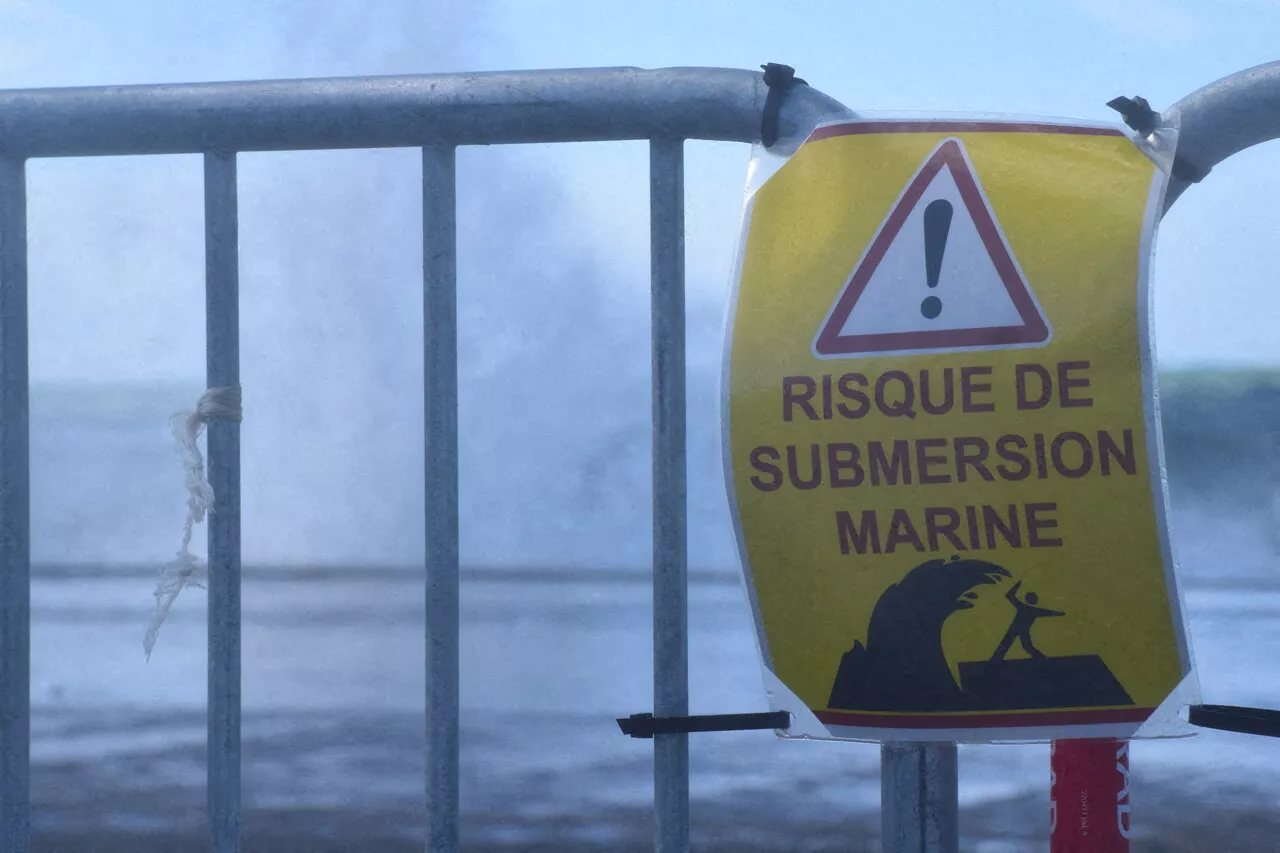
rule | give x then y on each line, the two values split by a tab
941	438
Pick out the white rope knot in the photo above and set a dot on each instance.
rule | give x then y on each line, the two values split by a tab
220	404
214	404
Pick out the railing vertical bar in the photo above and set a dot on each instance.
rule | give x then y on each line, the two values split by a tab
440	333
670	553
15	516
222	351
918	804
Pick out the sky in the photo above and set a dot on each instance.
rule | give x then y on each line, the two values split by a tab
113	299
553	240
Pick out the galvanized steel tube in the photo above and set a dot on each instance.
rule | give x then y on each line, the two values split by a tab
440	353
1224	118
15	515
919	812
670	535
222	350
571	105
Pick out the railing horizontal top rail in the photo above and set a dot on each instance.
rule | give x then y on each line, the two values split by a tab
579	105
1226	117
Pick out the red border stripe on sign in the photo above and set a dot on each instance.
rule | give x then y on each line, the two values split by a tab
984	721
862	127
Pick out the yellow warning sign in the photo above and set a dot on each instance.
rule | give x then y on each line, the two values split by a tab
941	439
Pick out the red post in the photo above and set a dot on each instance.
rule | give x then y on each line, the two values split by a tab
1089	796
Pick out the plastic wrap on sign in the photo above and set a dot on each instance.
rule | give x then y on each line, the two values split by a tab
942	432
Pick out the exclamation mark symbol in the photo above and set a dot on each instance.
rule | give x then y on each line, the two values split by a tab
937	225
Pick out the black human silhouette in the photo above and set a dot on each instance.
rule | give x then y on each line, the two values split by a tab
1026	615
903	664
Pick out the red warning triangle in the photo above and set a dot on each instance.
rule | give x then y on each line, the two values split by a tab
938	275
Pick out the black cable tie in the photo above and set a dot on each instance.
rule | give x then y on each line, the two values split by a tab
1231	718
1136	113
779	79
1141	118
647	725
1188	172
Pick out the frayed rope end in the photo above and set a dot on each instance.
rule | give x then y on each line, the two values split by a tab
182	571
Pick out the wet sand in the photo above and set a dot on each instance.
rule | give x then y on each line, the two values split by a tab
1167	821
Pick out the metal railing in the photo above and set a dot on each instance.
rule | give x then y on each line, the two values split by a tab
436	113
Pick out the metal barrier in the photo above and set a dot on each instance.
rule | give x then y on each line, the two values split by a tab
436	113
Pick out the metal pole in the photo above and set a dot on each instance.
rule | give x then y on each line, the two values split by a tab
440	333
919	810
492	108
1224	118
222	348
15	516
670	552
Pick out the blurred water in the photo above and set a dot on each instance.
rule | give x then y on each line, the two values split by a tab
334	678
333	687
